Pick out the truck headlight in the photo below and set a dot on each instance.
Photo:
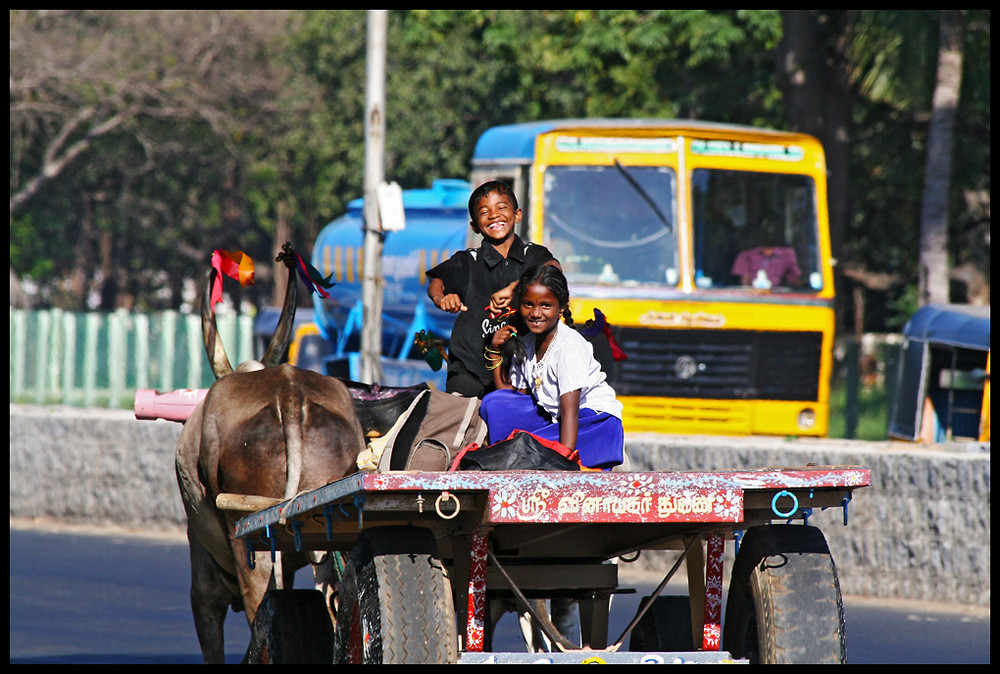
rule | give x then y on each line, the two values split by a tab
806	418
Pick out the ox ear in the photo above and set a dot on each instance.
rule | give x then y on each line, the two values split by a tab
283	331
214	348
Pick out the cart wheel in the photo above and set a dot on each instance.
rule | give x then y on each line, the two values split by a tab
394	604
291	627
784	603
666	626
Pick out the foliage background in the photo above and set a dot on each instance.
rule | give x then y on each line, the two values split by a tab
141	140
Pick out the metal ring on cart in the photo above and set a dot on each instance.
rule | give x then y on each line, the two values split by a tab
774	503
445	497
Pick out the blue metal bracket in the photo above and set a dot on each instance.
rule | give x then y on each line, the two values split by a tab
328	516
296	526
251	554
266	537
359	503
807	512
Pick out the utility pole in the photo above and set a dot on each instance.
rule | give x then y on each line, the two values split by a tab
371	279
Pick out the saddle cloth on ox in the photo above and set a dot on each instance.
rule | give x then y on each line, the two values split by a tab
414	428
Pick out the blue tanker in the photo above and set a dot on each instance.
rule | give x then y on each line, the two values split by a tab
437	223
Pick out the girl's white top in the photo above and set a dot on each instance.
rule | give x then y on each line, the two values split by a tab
567	365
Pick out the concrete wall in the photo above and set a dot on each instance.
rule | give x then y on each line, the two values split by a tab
93	466
922	531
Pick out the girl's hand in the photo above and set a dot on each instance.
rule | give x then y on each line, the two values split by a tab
502	335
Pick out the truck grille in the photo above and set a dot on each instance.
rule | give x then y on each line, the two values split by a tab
717	364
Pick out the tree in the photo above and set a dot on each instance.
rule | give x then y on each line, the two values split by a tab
140	140
133	124
875	70
818	99
937	179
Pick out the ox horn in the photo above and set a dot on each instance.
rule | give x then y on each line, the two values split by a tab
283	331
214	348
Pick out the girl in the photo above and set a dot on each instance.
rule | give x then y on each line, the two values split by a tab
548	381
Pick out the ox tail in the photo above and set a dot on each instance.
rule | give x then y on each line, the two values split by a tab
292	416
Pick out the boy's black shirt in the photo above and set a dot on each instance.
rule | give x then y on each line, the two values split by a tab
475	274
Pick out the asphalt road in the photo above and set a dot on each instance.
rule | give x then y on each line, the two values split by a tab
81	598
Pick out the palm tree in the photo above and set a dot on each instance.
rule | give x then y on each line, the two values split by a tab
937	178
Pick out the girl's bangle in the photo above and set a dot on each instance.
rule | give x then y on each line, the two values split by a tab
489	350
494	364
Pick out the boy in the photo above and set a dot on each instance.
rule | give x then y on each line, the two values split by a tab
477	283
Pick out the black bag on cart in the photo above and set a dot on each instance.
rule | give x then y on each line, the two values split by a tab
521	451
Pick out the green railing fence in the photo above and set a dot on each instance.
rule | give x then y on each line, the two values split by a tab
100	359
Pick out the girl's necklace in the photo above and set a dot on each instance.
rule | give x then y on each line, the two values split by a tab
539	366
537	370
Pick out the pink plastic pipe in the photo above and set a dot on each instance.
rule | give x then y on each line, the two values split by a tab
172	406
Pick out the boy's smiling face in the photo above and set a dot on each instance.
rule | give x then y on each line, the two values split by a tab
496	217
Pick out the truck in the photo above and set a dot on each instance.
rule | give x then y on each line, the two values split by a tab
436	222
706	247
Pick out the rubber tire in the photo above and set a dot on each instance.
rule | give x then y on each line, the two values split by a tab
666	626
394	604
784	604
291	627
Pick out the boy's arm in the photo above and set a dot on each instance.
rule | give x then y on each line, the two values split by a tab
449	302
500	300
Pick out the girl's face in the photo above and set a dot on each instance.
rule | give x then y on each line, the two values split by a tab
540	309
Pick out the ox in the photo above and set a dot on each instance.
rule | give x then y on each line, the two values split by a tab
267	430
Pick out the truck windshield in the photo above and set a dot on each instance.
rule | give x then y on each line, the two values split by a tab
612	224
755	230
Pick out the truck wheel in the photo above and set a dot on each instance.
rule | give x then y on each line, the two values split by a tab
291	627
784	604
666	626
394	604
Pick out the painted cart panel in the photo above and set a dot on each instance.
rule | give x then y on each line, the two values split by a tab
531	497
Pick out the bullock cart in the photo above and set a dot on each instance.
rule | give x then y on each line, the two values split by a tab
427	554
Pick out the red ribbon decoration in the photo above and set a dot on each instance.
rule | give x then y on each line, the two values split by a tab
313	280
236	265
601	325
